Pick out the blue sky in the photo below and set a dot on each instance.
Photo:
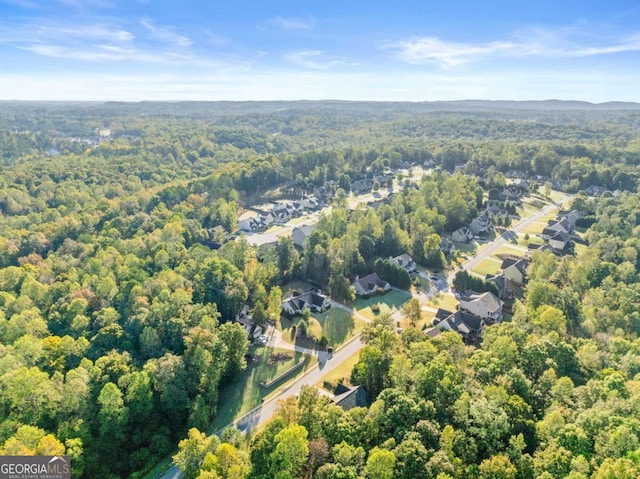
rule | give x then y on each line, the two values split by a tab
349	49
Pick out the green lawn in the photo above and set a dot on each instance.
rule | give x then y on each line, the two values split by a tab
534	228
336	324
387	302
426	317
295	286
341	374
489	266
444	301
245	393
506	249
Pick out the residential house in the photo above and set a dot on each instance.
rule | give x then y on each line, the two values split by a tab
594	190
496	214
244	318
404	261
469	326
462	235
312	300
370	284
349	398
447	246
515	270
485	305
521	184
481	224
310	203
501	284
510	194
572	216
361	186
556	226
559	243
300	234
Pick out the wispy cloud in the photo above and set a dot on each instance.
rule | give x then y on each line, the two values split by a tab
166	34
293	23
529	43
314	59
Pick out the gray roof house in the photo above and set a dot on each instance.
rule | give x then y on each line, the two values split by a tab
370	284
312	300
485	305
468	325
404	261
300	234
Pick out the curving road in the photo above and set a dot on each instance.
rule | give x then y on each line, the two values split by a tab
266	410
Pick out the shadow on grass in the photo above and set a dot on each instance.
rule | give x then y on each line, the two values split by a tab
244	393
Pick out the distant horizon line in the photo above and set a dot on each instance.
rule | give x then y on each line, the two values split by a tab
326	100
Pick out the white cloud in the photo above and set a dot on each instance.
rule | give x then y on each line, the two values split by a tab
291	23
166	34
313	59
533	42
290	85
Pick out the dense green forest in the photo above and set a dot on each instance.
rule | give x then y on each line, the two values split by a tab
116	306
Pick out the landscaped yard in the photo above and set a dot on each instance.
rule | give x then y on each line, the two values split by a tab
489	266
386	303
444	301
341	374
426	317
295	286
336	324
245	393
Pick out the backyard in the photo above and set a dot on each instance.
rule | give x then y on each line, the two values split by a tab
385	303
337	325
245	393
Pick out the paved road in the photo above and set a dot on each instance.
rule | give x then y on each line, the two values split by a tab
266	410
504	239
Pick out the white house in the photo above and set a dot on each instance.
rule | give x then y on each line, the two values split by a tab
311	300
404	261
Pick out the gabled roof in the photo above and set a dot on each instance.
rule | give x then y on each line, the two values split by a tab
370	282
520	264
492	302
460	321
350	398
404	260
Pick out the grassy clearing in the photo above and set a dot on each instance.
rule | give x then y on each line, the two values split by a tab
295	286
489	266
534	228
245	393
507	249
341	374
336	324
444	301
386	303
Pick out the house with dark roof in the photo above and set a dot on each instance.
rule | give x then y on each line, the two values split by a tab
370	284
447	246
515	270
404	261
312	300
559	243
349	398
484	305
510	194
501	284
469	326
